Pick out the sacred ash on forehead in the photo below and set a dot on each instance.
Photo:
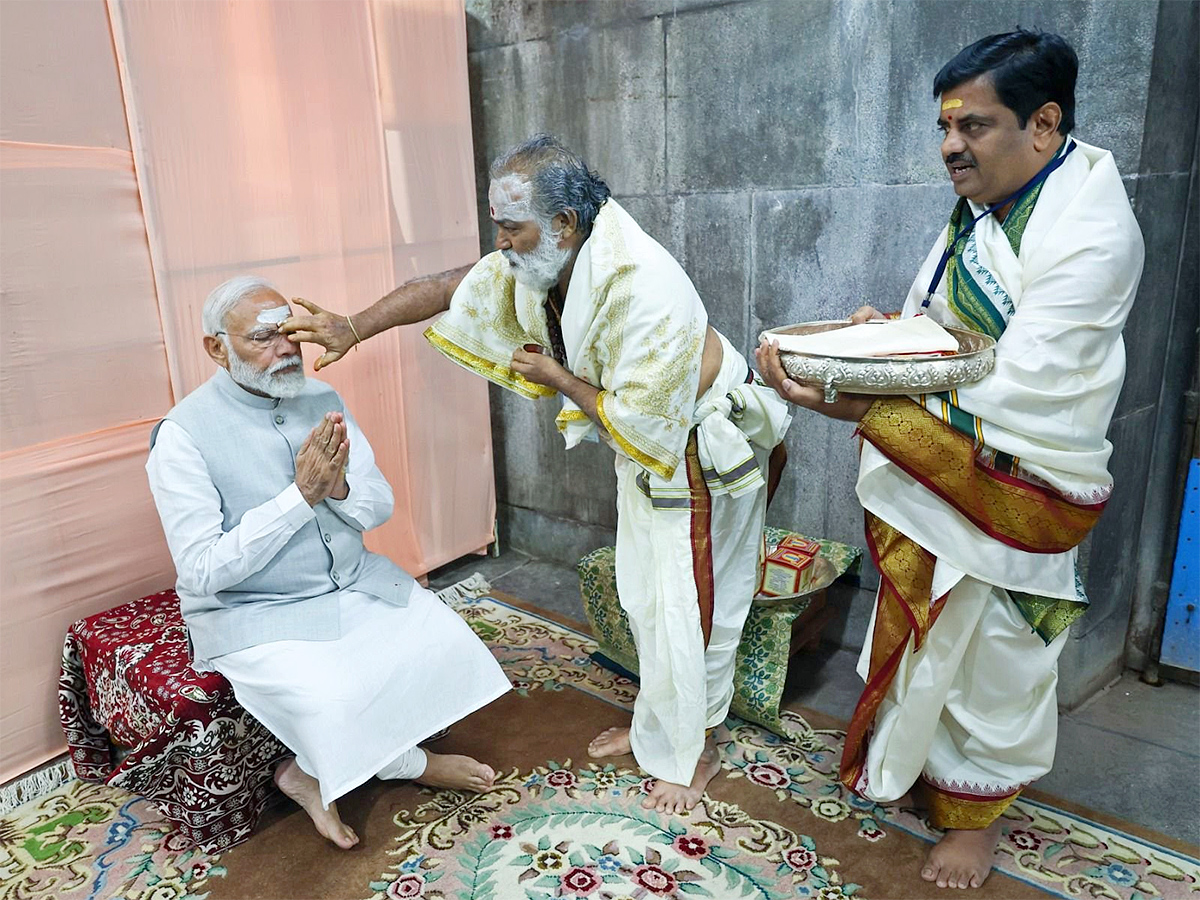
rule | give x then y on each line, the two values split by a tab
275	315
508	198
953	103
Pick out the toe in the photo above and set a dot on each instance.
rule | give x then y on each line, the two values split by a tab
929	873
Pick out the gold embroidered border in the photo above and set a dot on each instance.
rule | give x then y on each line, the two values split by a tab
566	416
944	461
501	375
642	459
902	609
947	810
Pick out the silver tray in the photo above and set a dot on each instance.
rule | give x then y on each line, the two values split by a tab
888	374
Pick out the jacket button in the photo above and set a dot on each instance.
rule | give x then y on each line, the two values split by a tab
279	420
328	539
333	575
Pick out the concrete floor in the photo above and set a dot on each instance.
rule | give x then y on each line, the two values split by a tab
1133	751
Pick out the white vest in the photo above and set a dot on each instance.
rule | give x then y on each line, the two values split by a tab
249	445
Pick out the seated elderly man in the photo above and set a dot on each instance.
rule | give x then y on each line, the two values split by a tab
265	486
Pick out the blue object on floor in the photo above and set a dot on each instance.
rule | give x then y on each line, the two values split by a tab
1181	634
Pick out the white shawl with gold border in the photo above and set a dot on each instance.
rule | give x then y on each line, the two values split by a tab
633	326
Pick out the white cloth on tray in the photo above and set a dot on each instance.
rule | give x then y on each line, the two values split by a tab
891	337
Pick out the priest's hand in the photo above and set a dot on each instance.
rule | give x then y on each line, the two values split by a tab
321	462
331	331
850	407
539	367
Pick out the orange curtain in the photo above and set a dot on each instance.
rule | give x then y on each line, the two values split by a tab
289	140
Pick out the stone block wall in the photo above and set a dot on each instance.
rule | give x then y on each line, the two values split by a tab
785	152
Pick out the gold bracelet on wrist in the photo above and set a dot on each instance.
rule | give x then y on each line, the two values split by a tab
353	331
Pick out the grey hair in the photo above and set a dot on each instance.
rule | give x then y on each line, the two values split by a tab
226	296
559	178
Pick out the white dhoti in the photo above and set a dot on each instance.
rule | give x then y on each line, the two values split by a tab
684	545
358	706
974	710
685	686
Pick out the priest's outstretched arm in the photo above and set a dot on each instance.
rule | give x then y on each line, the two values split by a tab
414	301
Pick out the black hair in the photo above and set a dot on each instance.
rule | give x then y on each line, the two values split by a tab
1028	69
559	177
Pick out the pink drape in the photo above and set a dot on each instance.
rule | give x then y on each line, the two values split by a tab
323	145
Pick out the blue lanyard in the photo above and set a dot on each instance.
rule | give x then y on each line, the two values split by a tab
1021	192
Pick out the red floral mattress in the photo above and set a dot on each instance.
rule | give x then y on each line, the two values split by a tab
191	749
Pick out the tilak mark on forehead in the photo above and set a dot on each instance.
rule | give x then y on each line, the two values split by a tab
275	315
508	199
953	103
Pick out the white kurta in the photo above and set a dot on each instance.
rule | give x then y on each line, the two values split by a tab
348	708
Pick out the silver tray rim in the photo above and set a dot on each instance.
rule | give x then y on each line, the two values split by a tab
890	375
833	325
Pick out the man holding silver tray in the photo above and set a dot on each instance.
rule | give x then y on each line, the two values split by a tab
977	498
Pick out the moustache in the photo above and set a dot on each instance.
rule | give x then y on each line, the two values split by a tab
961	157
284	365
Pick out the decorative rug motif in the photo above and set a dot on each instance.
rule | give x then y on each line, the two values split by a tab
562	832
88	841
1059	852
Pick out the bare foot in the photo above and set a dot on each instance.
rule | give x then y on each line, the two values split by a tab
459	773
962	859
305	790
610	742
675	798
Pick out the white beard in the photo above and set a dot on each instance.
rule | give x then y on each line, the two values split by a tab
540	267
284	378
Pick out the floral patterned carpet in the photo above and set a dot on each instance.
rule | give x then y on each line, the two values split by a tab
775	823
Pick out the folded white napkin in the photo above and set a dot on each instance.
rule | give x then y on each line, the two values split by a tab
894	337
